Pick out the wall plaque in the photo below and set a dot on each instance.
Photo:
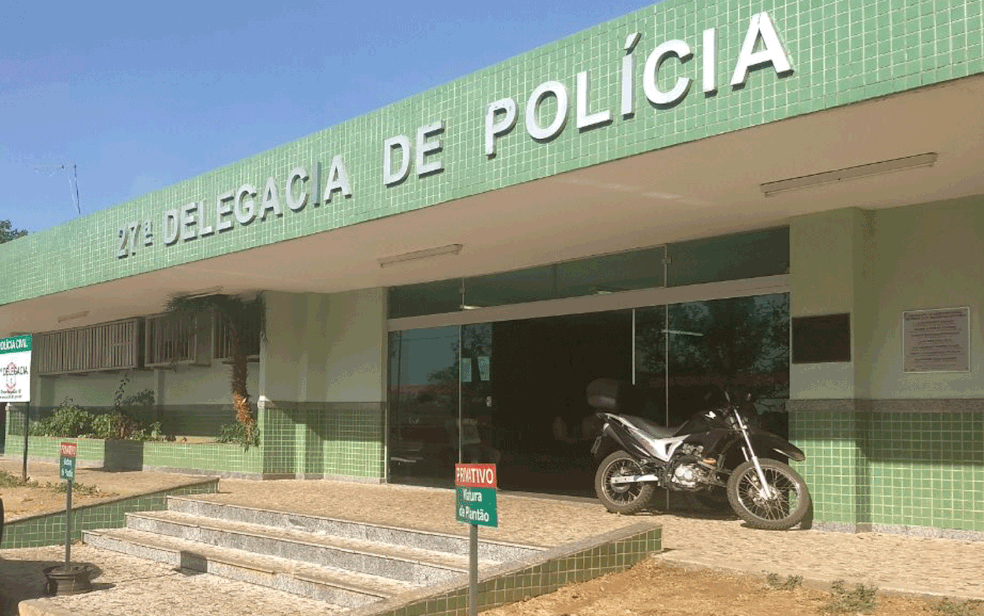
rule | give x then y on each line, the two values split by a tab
936	340
822	339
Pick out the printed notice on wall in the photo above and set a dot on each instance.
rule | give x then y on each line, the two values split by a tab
936	340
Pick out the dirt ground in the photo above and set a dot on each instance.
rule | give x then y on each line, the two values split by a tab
655	588
45	492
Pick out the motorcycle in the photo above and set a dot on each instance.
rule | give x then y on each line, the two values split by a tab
717	451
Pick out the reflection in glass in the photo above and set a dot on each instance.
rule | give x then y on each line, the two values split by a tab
426	298
601	275
479	428
650	360
423	402
728	257
522	384
740	345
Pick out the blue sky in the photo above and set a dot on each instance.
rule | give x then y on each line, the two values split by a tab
140	96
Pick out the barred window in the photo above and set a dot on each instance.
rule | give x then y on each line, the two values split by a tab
107	346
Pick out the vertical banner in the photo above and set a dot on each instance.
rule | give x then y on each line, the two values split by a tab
15	368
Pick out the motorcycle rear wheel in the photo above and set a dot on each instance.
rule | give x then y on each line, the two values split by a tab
784	506
624	498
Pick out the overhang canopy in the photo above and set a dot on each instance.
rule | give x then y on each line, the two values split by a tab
698	189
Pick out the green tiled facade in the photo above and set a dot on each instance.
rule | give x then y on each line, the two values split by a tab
915	472
841	51
340	440
873	460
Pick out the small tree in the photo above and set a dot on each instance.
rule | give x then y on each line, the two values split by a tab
8	232
241	316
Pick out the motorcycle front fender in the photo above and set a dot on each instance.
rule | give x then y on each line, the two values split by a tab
764	442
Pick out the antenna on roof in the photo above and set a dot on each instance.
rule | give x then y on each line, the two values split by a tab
73	180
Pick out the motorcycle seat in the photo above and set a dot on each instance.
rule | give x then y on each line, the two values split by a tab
651	427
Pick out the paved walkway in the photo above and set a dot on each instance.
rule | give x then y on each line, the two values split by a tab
939	567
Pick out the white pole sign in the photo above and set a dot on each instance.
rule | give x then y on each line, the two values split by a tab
15	366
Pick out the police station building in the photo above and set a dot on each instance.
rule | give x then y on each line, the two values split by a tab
784	198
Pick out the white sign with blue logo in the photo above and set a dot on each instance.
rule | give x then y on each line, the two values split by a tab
15	369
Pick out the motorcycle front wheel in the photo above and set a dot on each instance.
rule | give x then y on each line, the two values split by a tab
780	505
624	498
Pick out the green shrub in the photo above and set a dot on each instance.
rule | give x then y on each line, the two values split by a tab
7	480
843	601
775	581
238	433
69	421
104	426
970	607
152	432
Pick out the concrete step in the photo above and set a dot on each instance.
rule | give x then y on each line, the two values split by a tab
339	588
405	564
439	542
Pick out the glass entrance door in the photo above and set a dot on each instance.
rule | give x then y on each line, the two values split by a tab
479	428
423	405
442	404
513	392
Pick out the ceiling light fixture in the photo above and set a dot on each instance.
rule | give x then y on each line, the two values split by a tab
849	173
74	315
450	249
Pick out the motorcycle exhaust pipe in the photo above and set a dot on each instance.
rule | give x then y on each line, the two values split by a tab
651	477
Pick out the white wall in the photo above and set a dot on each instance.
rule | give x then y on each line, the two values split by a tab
929	256
183	385
325	348
356	361
95	389
822	281
875	265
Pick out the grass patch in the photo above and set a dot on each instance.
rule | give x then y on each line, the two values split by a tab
970	607
8	480
79	489
843	601
775	581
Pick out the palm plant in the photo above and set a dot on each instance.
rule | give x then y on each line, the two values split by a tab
243	318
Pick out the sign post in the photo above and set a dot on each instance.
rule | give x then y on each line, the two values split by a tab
15	367
66	471
475	504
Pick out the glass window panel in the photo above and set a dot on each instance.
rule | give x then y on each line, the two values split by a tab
517	287
731	257
639	269
480	424
427	298
423	401
739	344
650	360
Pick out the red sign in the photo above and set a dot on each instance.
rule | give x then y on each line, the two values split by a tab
475	476
68	450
